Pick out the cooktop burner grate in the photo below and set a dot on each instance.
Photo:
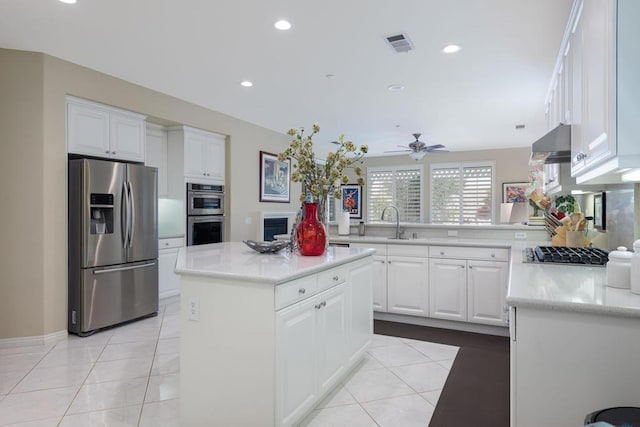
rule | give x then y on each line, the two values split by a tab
566	255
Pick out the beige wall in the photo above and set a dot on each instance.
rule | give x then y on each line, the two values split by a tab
511	165
22	275
33	216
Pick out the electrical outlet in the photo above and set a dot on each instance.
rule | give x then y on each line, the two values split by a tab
194	309
452	233
521	235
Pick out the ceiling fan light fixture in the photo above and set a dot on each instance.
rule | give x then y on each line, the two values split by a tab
282	25
417	155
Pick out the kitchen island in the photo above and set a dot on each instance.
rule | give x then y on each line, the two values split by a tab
265	336
574	344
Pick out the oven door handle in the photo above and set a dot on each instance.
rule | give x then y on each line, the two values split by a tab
207	194
217	218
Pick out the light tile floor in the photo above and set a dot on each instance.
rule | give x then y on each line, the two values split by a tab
129	376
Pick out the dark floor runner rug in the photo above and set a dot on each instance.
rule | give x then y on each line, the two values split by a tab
477	390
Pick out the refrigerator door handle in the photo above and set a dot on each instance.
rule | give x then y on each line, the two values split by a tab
124	217
132	267
132	227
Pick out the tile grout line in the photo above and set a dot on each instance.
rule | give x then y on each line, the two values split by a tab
153	359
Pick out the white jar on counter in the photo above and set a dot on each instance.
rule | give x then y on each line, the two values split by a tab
619	268
635	268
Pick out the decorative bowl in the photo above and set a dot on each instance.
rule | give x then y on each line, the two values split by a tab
266	247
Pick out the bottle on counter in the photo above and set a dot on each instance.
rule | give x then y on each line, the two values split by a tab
361	228
635	268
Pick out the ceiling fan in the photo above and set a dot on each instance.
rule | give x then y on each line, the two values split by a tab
417	149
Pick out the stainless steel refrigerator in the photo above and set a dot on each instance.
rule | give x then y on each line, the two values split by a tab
113	243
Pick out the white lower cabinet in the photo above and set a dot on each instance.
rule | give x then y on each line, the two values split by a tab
168	280
448	289
407	285
379	280
487	291
469	290
318	339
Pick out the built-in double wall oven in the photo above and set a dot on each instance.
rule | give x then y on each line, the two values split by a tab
205	214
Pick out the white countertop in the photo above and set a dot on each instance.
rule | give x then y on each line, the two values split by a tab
236	261
567	288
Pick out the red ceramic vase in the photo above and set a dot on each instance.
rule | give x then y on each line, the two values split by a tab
312	237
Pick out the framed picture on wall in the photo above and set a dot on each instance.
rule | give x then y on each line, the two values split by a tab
351	200
275	178
599	212
513	192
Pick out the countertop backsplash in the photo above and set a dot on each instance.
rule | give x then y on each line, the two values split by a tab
171	214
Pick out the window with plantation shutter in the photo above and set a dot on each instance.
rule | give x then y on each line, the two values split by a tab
400	186
461	193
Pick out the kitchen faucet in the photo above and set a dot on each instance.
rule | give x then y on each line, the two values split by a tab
397	219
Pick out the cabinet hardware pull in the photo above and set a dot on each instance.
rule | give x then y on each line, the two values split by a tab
493	255
107	151
471	266
324	303
441	253
318	306
302	290
335	278
113	152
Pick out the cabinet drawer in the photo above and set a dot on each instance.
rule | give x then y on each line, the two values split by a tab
172	242
296	290
459	252
331	277
408	250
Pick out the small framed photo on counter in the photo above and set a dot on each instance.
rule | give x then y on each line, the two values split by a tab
351	200
599	212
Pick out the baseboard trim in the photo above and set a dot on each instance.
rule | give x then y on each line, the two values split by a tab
445	324
169	294
47	339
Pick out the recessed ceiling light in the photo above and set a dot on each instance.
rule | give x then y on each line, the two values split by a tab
395	88
246	83
68	1
282	25
451	48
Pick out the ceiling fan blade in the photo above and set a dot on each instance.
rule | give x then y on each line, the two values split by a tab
398	151
436	151
433	147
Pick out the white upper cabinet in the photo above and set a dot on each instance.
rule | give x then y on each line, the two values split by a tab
156	155
204	155
602	65
101	131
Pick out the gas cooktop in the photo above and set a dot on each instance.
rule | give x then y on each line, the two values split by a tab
565	255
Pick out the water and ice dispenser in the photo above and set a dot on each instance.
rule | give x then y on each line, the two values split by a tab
101	211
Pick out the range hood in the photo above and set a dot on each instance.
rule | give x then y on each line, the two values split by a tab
554	146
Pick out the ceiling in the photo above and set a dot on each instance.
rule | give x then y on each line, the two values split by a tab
200	51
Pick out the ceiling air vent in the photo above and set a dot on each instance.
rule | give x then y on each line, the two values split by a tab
400	43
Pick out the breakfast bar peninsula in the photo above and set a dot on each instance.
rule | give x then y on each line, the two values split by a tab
265	336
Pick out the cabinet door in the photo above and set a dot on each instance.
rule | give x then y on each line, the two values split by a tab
407	285
127	137
195	160
598	57
87	130
487	291
214	153
359	313
448	289
577	139
156	156
296	359
379	282
331	312
168	280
